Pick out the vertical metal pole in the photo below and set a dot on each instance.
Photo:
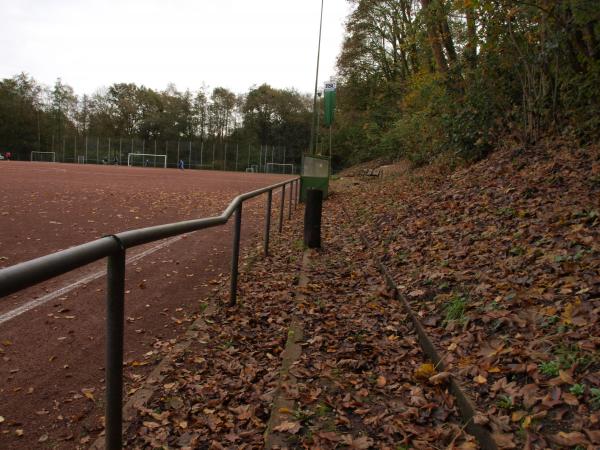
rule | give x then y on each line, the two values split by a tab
290	202
312	218
312	127
284	158
178	153
108	157
190	156
97	150
281	207
86	149
154	152
237	151
120	149
329	149
115	301
75	151
64	144
235	255
201	152
167	154
268	221
248	156
225	157
213	161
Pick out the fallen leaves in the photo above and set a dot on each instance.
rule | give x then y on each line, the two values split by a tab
88	393
288	427
569	439
522	253
425	371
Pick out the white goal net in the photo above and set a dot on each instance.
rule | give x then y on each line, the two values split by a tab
146	160
279	168
43	156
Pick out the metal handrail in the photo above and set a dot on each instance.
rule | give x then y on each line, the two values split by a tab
114	248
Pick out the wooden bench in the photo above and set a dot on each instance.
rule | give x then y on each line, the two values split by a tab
372	172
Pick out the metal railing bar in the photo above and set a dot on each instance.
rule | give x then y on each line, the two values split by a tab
29	273
133	238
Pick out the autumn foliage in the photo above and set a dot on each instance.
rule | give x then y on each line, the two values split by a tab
421	79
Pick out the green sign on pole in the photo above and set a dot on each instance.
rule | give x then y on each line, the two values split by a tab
329	102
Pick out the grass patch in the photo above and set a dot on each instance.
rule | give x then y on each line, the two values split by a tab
455	310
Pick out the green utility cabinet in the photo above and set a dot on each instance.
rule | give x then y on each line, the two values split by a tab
315	175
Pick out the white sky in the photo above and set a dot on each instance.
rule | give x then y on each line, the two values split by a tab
229	43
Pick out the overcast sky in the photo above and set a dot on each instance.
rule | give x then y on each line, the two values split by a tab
229	43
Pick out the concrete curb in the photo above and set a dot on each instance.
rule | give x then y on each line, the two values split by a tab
465	405
282	404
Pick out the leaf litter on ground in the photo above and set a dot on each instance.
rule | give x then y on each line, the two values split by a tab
501	262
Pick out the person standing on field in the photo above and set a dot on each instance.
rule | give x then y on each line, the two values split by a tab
180	164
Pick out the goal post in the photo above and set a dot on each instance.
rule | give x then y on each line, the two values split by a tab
279	168
43	156
146	160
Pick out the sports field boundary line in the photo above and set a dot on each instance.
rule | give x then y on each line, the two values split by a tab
28	306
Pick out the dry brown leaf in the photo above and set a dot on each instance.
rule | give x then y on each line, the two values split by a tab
425	371
88	393
479	379
360	443
440	378
504	440
593	435
569	439
518	415
288	427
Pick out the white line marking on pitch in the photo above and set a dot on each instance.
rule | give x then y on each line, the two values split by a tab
85	280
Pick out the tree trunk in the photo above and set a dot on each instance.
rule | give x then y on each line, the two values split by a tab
471	49
446	34
434	38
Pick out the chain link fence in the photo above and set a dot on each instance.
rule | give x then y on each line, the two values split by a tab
210	154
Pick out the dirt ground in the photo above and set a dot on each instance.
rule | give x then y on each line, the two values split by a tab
52	363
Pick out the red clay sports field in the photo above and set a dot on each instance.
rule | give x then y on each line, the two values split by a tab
52	335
